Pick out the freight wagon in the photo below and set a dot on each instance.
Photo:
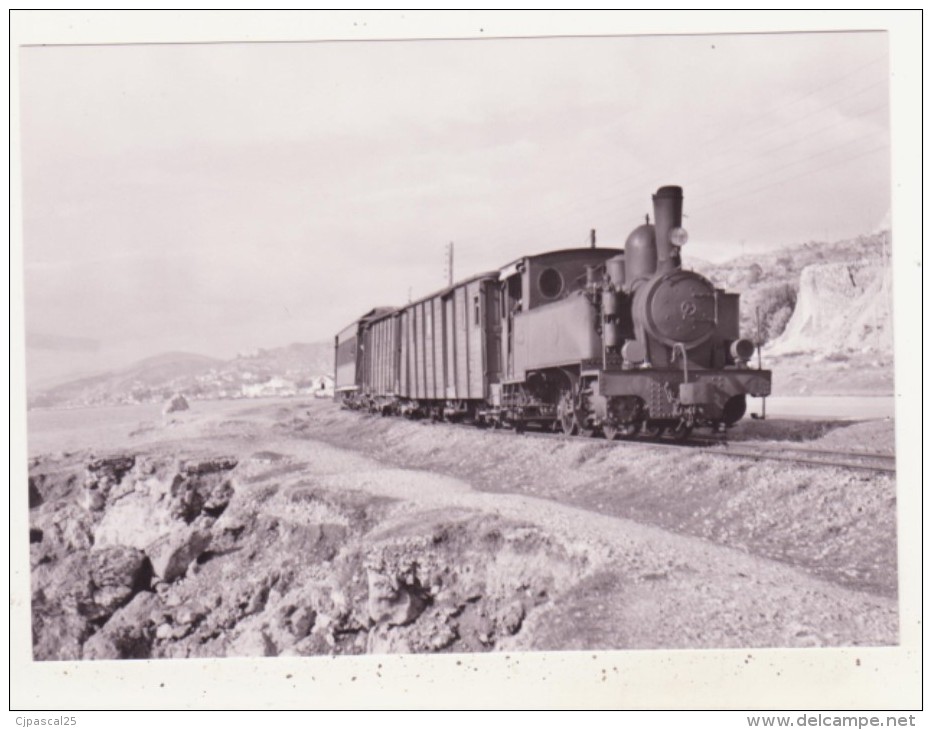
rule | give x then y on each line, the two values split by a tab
437	356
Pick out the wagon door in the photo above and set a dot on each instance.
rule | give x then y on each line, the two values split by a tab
489	312
449	345
397	361
511	304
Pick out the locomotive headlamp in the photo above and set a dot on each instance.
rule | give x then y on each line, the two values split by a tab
678	236
742	350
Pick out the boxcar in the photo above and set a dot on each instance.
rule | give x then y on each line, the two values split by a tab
378	373
449	353
349	352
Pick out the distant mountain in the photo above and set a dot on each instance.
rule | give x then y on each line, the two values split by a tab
171	365
285	370
316	357
140	382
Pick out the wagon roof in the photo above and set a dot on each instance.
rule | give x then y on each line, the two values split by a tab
380	313
446	290
377	313
370	316
556	252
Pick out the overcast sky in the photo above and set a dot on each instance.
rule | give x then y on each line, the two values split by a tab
216	198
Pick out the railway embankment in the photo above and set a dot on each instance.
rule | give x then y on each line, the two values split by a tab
300	529
838	524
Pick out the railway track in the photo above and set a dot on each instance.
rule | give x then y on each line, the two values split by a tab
865	460
844	459
838	458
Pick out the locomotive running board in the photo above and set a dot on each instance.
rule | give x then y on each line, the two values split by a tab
628	382
659	389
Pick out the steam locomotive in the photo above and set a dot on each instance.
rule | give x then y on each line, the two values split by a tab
587	340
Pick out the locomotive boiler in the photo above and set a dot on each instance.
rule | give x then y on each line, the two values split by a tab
590	340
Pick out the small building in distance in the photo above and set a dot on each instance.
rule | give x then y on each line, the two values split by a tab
322	386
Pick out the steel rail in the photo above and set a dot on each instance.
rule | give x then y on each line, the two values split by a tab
843	459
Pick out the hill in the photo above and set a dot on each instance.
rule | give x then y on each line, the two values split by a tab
146	380
824	312
770	283
296	368
316	357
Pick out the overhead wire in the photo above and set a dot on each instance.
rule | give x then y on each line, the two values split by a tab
591	203
795	140
636	179
745	139
746	193
792	143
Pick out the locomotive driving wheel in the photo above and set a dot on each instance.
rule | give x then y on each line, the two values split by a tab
573	411
566	413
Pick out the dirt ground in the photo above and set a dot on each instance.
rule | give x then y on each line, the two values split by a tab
838	373
297	528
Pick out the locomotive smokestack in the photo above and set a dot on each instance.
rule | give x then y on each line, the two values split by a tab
668	215
592	238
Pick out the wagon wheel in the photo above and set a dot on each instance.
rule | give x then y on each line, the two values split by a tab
681	431
654	430
623	430
630	430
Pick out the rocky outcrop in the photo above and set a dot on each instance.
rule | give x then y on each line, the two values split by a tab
58	635
98	542
102	476
395	600
35	496
129	634
158	498
176	403
118	573
180	558
171	554
841	307
58	529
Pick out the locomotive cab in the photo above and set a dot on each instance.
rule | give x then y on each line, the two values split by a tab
549	316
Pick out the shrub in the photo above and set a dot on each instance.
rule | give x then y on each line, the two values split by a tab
776	305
